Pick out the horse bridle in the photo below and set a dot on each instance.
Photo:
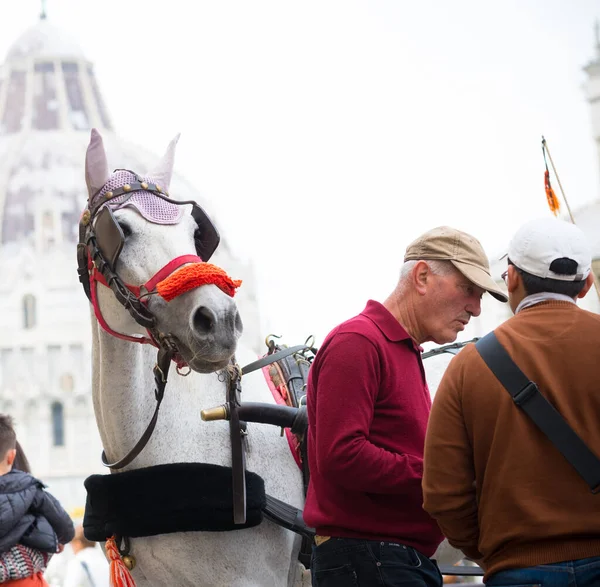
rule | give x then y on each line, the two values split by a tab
100	242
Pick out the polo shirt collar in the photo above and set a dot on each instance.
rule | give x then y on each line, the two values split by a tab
383	319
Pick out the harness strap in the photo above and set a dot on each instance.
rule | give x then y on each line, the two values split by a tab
291	389
160	499
126	298
161	370
272	358
452	348
527	396
287	516
237	432
128	189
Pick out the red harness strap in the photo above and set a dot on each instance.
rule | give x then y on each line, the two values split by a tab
97	277
169	282
276	382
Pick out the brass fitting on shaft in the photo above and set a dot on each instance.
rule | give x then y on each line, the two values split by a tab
218	413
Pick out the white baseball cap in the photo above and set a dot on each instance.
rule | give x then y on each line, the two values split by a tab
540	242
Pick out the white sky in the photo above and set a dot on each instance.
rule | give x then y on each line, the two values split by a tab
329	134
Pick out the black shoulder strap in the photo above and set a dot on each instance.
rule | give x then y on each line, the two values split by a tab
527	396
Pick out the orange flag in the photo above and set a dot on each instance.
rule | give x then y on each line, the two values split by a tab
553	202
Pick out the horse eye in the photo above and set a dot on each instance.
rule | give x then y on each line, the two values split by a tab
125	228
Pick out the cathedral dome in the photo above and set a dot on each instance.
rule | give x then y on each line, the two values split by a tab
44	40
49	102
47	90
46	84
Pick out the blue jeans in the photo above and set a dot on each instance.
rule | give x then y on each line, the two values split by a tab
349	562
584	572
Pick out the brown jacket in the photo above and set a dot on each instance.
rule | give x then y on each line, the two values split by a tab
498	488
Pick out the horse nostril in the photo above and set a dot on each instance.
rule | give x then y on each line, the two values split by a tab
204	320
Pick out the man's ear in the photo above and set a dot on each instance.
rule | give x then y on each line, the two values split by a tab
11	455
421	274
513	279
589	282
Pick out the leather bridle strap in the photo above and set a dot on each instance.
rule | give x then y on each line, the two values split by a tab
451	349
161	371
237	431
272	358
126	298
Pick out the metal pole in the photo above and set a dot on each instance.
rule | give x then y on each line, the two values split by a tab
545	146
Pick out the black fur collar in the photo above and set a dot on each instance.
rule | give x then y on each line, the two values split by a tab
181	497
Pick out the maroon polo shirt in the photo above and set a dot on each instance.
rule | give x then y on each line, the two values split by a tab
368	406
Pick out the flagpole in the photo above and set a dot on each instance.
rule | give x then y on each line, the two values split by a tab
545	147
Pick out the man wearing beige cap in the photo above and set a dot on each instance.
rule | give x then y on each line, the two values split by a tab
494	476
368	406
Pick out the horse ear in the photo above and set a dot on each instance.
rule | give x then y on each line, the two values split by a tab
164	170
96	165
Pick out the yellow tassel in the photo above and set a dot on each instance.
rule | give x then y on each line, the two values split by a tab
553	202
119	573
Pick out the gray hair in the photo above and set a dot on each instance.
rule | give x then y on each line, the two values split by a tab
437	267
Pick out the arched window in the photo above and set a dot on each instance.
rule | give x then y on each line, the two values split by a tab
58	424
29	316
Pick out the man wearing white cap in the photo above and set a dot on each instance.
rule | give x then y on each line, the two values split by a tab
499	488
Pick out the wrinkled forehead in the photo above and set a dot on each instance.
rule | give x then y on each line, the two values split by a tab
151	207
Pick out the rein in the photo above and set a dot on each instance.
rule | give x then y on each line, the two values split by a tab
451	349
161	371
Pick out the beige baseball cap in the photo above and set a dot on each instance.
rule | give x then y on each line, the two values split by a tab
462	250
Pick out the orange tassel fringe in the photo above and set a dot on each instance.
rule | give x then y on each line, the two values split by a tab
119	573
195	275
553	202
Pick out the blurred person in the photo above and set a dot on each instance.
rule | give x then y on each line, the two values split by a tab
498	487
368	406
89	567
21	561
32	521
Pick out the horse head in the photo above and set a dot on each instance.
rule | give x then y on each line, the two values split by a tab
143	263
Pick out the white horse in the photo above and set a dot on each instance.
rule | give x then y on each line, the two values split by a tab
206	326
